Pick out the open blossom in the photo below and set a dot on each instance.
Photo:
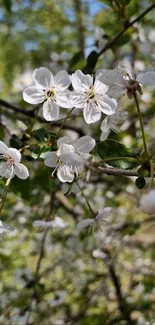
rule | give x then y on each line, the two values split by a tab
49	90
122	80
91	97
11	166
101	219
147	202
4	228
111	123
56	223
69	160
59	61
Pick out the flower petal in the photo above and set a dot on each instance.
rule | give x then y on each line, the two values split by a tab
104	135
147	78
14	154
6	170
62	79
3	147
110	77
64	140
33	95
21	171
91	113
81	82
63	100
85	144
105	125
116	91
65	174
50	159
85	223
78	99
104	213
107	105
100	87
72	159
50	110
43	77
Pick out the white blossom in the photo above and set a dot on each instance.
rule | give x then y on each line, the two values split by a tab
110	123
4	228
69	160
102	218
123	80
56	223
59	61
147	201
11	166
49	90
91	97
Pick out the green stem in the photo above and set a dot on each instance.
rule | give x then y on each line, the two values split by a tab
120	158
141	124
152	173
65	119
4	194
88	204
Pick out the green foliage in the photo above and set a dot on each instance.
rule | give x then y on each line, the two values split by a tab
112	149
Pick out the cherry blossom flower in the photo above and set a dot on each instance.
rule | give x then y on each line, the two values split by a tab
101	219
91	97
4	228
11	166
69	160
49	90
59	61
122	80
56	223
111	123
147	201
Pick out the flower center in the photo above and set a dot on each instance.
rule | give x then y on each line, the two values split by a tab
50	94
91	94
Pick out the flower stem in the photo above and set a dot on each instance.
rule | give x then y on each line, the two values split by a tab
120	158
88	204
141	124
64	121
152	173
4	194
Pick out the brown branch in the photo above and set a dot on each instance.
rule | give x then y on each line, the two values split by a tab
32	114
110	43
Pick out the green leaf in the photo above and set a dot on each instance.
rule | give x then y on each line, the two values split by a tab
92	60
113	149
22	187
40	134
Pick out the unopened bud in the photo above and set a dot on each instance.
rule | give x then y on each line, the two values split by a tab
147	202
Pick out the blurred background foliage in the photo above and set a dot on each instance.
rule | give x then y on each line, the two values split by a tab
106	277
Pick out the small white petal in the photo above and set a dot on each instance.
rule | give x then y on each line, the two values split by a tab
105	125
147	78
91	113
65	174
65	148
99	87
33	95
21	171
107	105
85	223
51	159
55	57
5	228
104	213
3	147
65	140
85	144
116	91
63	100
14	154
110	77
62	79
6	170
50	110
81	82
43	77
104	135
72	159
78	99
147	202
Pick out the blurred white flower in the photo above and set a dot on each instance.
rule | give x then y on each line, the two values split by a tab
91	97
123	80
110	123
59	61
70	157
147	201
4	228
56	223
49	90
101	219
11	165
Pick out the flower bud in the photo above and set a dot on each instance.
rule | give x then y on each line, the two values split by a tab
147	202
